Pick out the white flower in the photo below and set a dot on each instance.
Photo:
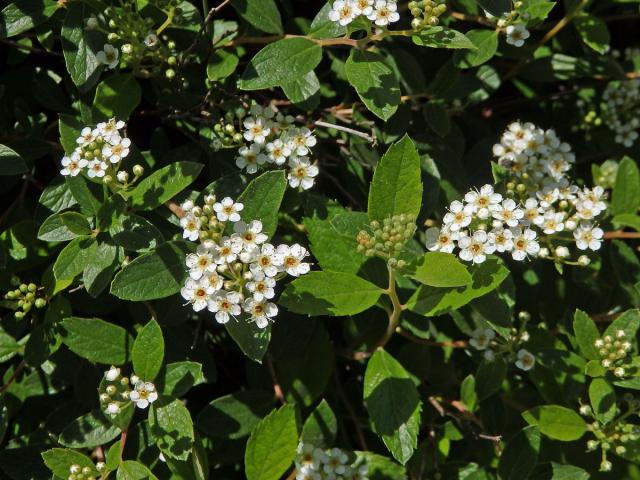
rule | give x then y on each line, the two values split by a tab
517	34
227	210
214	281
110	130
87	135
225	305
439	240
509	213
588	237
261	287
343	12
300	140
475	248
302	173
250	234
151	40
201	263
250	157
562	252
552	222
292	257
73	165
122	176
108	56
384	13
112	374
278	152
191	226
364	6
524	243
459	216
197	293
96	169
484	201
113	408
502	239
481	338
267	261
261	312
532	212
526	361
256	130
227	250
143	394
115	153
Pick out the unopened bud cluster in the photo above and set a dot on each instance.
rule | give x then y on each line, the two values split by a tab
116	392
614	351
614	437
333	464
25	297
387	239
78	472
426	13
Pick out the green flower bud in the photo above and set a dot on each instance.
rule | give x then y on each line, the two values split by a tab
40	303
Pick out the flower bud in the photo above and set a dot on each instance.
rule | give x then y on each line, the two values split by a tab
40	303
138	170
127	48
584	260
122	176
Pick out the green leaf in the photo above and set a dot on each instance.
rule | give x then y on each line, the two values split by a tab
323	27
435	113
88	431
321	427
22	15
302	89
495	7
262	14
80	46
57	196
177	378
172	428
59	461
89	195
374	81
234	416
272	445
442	37
96	340
117	96
135	233
593	31
629	322
163	185
221	64
556	422
148	351
520	455
379	467
393	404
594	368
486	43
262	199
76	223
468	394
10	162
73	258
626	191
438	269
252	340
279	62
70	128
486	277
131	470
99	272
396	187
53	229
627	220
330	293
586	334
157	274
603	400
568	472
489	377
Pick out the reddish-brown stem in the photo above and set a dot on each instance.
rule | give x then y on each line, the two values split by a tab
621	234
277	389
13	377
123	442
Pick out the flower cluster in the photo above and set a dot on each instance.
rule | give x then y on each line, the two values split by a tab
116	392
25	297
614	352
621	110
78	472
314	463
234	272
387	240
275	140
100	152
426	13
380	12
513	23
542	208
485	340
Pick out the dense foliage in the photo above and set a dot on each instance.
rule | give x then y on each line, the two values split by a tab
348	239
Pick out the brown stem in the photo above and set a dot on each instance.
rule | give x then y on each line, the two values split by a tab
175	209
472	18
621	234
123	442
13	377
277	389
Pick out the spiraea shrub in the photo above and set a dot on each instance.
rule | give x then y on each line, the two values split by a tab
319	240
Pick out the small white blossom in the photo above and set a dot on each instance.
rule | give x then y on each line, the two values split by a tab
475	248
261	287
343	12
227	210
191	227
143	394
301	173
524	244
481	338
108	56
384	13
197	293
112	374
261	311
96	169
483	201
201	263
292	257
458	216
73	165
250	158
115	153
440	240
278	152
256	130
225	305
526	361
588	237
517	34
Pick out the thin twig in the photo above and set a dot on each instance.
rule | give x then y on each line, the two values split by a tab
621	234
277	389
13	377
357	133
